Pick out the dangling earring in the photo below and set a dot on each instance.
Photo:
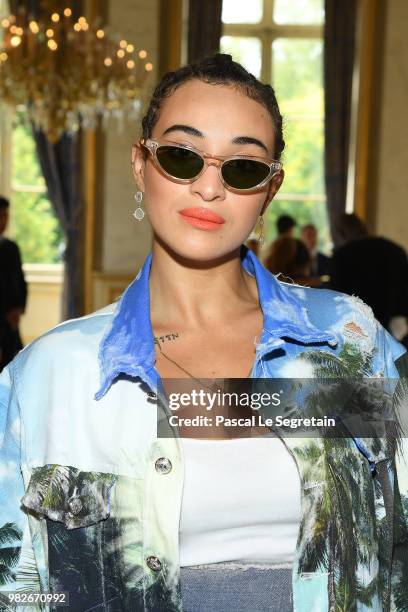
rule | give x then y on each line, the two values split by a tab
139	212
261	234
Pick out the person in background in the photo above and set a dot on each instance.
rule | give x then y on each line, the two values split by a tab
320	264
376	270
350	227
285	226
291	258
13	291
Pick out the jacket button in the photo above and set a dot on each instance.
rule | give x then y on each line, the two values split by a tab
163	465
75	505
154	563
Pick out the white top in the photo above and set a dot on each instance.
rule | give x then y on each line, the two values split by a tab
241	501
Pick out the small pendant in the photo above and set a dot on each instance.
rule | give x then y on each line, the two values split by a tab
139	213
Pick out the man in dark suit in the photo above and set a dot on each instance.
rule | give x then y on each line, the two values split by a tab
13	291
375	269
320	262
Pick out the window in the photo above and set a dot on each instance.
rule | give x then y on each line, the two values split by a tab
32	221
281	43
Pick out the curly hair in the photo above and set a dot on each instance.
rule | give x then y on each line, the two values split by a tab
218	69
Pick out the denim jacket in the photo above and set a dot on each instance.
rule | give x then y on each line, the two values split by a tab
91	496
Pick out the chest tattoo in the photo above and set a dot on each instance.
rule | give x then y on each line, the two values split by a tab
165	338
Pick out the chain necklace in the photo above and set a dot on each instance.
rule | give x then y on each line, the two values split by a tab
210	388
189	373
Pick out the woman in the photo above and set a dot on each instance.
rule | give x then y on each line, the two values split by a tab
121	518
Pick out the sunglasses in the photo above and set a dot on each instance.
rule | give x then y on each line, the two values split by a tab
185	164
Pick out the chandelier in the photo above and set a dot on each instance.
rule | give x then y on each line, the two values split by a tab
67	72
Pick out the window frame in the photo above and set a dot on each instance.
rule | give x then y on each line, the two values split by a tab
268	31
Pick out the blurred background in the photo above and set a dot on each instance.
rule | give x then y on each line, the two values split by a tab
340	71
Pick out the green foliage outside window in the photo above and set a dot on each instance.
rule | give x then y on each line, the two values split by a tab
32	221
297	78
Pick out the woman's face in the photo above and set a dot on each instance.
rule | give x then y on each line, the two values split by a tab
212	116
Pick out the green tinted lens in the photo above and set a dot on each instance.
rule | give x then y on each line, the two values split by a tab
244	173
178	162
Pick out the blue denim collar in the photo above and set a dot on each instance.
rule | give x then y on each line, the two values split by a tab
128	345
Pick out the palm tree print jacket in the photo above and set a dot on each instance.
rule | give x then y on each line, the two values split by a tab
91	496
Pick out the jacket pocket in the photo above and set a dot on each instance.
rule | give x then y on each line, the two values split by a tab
69	495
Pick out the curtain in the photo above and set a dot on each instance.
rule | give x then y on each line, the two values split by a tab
339	43
60	166
204	28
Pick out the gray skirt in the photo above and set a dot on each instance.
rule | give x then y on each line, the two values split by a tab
236	587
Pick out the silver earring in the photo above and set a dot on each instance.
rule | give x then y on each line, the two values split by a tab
139	212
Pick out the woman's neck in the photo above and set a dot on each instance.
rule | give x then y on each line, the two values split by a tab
198	294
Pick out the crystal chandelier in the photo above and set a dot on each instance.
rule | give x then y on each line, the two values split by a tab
66	72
